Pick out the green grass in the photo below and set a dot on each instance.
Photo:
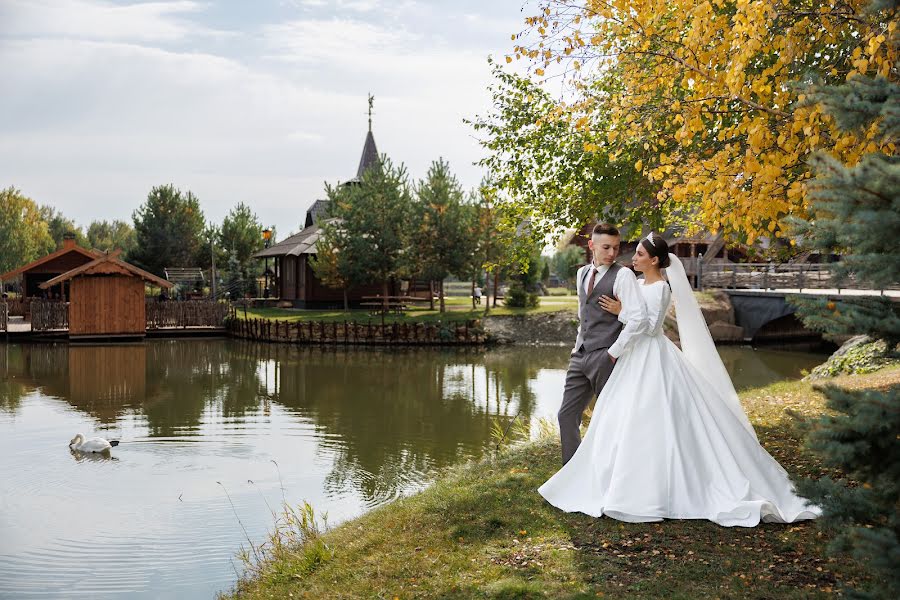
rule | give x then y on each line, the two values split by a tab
482	531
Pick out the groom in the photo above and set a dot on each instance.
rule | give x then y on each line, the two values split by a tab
602	336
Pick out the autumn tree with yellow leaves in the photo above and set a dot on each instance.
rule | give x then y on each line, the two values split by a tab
705	99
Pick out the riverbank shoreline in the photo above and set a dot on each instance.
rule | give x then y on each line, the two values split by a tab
482	531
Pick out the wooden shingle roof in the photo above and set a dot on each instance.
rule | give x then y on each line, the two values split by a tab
108	264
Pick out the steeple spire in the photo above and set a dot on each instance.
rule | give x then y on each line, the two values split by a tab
370	151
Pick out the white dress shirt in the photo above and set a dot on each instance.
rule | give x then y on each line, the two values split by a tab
633	315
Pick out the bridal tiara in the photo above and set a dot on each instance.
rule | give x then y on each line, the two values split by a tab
649	238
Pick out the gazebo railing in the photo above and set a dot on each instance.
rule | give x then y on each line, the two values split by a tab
16	307
47	315
189	313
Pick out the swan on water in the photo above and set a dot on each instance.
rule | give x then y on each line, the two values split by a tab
96	444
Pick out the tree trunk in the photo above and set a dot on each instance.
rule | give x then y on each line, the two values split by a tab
346	300
431	294
487	295
473	294
442	295
496	285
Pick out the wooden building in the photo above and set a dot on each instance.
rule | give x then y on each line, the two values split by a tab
711	246
37	272
295	280
106	297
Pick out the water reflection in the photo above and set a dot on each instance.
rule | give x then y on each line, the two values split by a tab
384	418
348	428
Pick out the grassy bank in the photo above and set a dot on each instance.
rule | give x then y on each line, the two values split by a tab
482	531
458	310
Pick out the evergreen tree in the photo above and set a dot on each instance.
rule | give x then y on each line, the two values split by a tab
439	242
241	236
332	265
545	272
856	212
369	230
170	231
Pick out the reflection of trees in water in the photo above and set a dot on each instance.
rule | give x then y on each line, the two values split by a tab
12	384
391	416
754	368
385	417
187	378
26	368
171	382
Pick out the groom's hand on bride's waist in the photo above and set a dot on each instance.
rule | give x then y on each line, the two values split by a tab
611	357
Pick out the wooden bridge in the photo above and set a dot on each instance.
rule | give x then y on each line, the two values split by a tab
759	292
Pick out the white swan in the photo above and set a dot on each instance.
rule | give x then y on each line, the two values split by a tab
92	445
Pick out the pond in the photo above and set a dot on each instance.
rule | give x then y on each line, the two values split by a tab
213	431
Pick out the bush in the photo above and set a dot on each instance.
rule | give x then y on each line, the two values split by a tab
517	297
858	356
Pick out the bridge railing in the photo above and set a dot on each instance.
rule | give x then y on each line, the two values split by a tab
764	276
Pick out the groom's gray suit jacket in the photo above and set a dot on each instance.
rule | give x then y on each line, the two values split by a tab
596	327
590	364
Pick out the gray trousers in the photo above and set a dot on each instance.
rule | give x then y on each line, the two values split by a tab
586	376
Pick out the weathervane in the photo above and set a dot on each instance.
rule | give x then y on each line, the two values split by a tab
371	102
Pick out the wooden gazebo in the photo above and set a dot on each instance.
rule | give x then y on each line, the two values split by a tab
106	297
35	273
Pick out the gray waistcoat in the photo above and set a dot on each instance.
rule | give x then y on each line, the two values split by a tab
597	328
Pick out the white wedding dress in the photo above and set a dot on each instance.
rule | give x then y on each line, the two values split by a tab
669	440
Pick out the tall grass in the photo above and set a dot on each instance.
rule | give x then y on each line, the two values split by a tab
293	549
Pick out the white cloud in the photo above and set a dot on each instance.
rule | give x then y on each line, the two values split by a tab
344	41
94	19
105	106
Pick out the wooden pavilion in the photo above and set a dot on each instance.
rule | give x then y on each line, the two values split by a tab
107	298
37	272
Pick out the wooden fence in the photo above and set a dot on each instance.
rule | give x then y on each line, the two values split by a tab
16	306
47	315
190	313
351	332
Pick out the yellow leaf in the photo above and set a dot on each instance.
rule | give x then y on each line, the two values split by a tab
508	59
638	165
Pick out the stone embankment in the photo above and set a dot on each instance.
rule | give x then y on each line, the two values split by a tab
559	328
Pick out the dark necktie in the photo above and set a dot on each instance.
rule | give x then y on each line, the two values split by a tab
591	282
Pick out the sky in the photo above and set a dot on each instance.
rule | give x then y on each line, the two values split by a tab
258	102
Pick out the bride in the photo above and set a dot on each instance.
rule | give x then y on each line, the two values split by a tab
668	437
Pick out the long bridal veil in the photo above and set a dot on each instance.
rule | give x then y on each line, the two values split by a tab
696	342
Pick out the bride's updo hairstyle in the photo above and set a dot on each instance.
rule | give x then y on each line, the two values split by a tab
658	248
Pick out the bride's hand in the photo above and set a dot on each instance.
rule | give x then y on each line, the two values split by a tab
610	305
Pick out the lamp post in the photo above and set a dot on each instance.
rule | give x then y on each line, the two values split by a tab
267	237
